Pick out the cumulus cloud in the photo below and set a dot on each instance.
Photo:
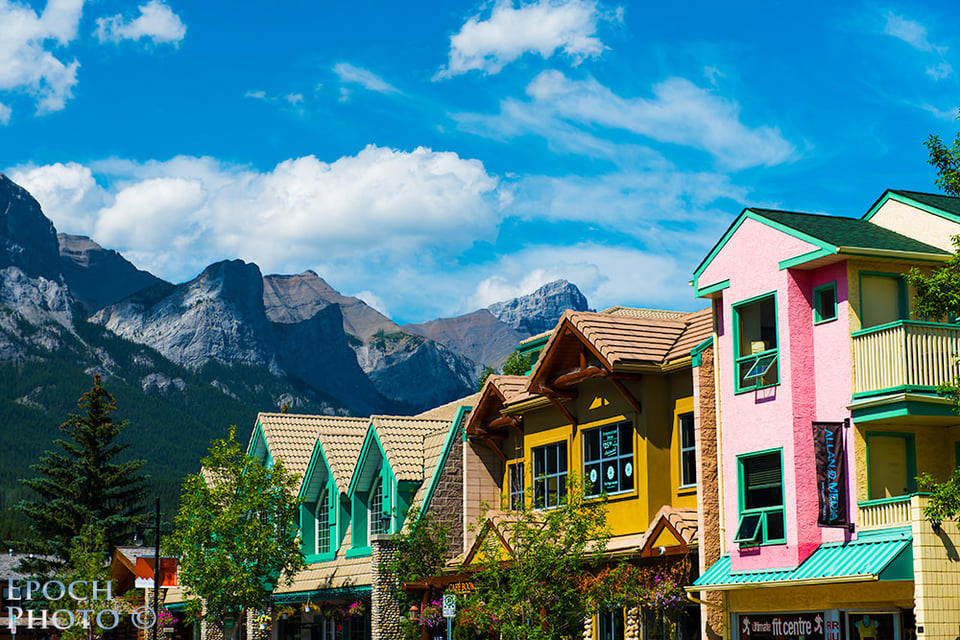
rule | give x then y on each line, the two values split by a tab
350	74
678	113
5	114
27	45
156	22
178	215
542	27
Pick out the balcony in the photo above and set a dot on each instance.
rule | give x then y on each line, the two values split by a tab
887	513
904	356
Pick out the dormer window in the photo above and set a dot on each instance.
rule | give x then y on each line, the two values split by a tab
379	514
322	531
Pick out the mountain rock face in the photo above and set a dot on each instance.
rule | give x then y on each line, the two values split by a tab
479	336
218	315
99	277
539	311
28	240
290	298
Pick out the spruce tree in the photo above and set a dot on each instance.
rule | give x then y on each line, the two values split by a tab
82	485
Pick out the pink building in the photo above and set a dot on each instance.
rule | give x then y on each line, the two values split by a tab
827	412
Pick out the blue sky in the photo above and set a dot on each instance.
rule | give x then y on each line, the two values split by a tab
434	157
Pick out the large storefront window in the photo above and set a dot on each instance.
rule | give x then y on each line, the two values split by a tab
611	624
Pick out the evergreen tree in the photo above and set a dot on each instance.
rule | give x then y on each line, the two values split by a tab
81	485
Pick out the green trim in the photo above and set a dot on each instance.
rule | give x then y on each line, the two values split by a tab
903	388
905	323
358	552
319	595
458	421
713	288
764	512
882	501
804	258
696	354
904	306
890	195
259	438
818	315
737	359
911	453
368	439
899	407
314	558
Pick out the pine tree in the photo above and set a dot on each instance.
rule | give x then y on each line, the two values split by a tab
81	485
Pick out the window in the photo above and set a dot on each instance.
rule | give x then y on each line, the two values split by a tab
322	532
550	475
516	494
608	459
825	303
611	624
755	343
379	515
761	499
688	451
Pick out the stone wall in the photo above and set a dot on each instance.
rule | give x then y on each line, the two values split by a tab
446	506
708	496
384	607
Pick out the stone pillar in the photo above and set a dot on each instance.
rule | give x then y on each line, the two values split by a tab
385	609
254	632
631	623
708	499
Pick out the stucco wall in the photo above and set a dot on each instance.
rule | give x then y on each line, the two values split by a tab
857	595
916	223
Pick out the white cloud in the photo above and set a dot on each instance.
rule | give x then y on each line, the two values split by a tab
542	27
350	74
374	301
679	113
156	22
5	114
256	95
27	45
176	216
915	35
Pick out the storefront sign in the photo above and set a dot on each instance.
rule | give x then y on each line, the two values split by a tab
831	477
781	626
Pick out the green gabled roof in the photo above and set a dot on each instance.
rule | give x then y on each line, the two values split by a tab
847	232
884	555
947	204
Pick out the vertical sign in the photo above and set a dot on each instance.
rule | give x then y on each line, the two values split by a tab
831	476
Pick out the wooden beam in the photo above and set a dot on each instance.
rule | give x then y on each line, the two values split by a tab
572	378
627	395
505	421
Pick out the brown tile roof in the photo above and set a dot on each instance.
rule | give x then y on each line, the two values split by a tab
449	411
403	440
661	314
498	391
623	339
292	437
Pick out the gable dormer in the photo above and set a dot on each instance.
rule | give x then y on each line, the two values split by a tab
928	217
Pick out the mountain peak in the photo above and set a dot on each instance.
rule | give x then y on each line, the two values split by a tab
28	240
539	311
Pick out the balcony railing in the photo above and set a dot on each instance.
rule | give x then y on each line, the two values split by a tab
904	355
886	513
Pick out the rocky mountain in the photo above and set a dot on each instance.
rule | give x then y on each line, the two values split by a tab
539	311
99	277
28	240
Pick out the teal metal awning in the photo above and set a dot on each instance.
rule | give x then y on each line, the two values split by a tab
320	595
881	555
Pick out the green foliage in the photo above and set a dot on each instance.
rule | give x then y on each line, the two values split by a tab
87	561
943	502
938	292
516	365
82	484
947	161
236	532
536	592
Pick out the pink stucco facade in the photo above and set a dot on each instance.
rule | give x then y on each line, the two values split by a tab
780	417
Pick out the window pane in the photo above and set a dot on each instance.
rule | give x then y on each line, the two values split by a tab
774	526
591	445
539	455
758	326
552	454
562	457
689	467
592	479
626	474
626	438
826	304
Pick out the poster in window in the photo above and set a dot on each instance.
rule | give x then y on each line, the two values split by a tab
831	477
609	443
871	626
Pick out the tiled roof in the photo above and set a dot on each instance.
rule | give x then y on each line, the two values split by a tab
403	439
508	386
683	520
338	573
662	314
939	201
846	232
341	440
699	327
449	411
291	438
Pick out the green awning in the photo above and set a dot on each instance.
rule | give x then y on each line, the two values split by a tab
321	595
881	555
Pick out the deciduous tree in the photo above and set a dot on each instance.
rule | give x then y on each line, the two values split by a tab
236	532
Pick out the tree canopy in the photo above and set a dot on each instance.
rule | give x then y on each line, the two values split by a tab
236	532
947	161
82	484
